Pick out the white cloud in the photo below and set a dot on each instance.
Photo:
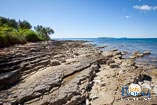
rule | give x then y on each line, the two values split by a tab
127	17
145	7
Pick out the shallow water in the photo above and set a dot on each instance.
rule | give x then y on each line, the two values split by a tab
127	44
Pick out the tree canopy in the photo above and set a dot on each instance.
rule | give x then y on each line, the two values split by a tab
24	24
46	31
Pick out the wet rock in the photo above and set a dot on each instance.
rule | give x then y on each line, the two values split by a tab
124	52
114	49
146	52
101	47
136	54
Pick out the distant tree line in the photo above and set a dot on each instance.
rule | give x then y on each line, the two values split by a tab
19	32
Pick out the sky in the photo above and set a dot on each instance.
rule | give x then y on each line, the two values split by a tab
87	18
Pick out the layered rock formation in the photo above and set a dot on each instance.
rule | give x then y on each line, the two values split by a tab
51	74
70	73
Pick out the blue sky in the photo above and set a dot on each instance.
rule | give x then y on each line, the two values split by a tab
87	18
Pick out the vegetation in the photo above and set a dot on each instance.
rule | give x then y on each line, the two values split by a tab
13	32
44	31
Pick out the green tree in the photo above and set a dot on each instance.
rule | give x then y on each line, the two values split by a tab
44	31
24	25
8	22
3	21
12	23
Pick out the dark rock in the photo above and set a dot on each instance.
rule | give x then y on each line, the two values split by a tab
114	65
108	62
55	62
9	78
146	52
101	47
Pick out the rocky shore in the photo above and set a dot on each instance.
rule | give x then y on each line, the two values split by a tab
71	73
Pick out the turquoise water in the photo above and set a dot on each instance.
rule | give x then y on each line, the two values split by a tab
127	44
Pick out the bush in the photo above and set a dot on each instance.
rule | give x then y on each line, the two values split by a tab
31	36
16	38
11	36
3	40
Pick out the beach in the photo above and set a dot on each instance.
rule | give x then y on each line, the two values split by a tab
70	72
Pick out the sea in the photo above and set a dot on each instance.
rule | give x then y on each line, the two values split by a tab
126	44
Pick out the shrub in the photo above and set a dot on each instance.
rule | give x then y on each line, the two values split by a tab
31	36
16	38
3	40
10	36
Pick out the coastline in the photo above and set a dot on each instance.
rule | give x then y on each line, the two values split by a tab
69	73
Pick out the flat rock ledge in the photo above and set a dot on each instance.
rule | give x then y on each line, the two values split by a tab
70	73
64	80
